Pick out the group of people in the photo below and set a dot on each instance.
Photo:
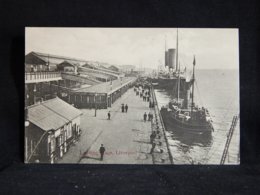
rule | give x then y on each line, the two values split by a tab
143	93
150	116
124	108
146	95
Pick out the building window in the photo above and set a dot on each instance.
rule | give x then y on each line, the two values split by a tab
103	98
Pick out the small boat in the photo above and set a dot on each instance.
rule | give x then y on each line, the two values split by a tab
187	117
198	121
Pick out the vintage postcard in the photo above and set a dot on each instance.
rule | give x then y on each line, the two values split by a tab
132	96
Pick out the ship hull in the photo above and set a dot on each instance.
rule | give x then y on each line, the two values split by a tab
170	84
165	83
172	124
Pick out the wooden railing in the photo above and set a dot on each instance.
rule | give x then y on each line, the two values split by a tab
159	117
41	76
80	78
101	71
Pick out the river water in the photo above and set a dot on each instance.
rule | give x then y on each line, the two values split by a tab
218	91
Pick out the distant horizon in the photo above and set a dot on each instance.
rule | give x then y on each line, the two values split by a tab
127	64
131	64
214	48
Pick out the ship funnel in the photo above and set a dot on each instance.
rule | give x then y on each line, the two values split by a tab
171	58
166	58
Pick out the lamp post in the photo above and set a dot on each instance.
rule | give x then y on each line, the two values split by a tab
95	104
121	86
34	93
110	84
26	124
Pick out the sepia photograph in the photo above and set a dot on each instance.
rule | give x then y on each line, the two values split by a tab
163	96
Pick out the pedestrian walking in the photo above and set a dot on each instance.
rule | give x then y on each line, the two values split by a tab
108	115
152	149
102	151
145	116
151	116
126	108
123	108
152	136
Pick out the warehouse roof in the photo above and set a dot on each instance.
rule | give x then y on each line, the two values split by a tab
45	59
69	63
107	87
52	114
97	75
52	59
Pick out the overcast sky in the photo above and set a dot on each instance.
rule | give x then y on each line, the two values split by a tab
214	48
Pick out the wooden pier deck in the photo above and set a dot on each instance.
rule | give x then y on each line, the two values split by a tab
126	136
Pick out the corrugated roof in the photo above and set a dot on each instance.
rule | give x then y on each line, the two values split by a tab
62	108
106	87
60	57
52	114
70	63
112	67
88	65
54	59
98	75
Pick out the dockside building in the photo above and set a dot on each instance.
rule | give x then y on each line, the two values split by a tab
100	96
52	126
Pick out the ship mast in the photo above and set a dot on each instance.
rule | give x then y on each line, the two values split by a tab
193	80
177	51
166	54
165	50
178	96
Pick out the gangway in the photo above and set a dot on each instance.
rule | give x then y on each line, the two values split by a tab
229	137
